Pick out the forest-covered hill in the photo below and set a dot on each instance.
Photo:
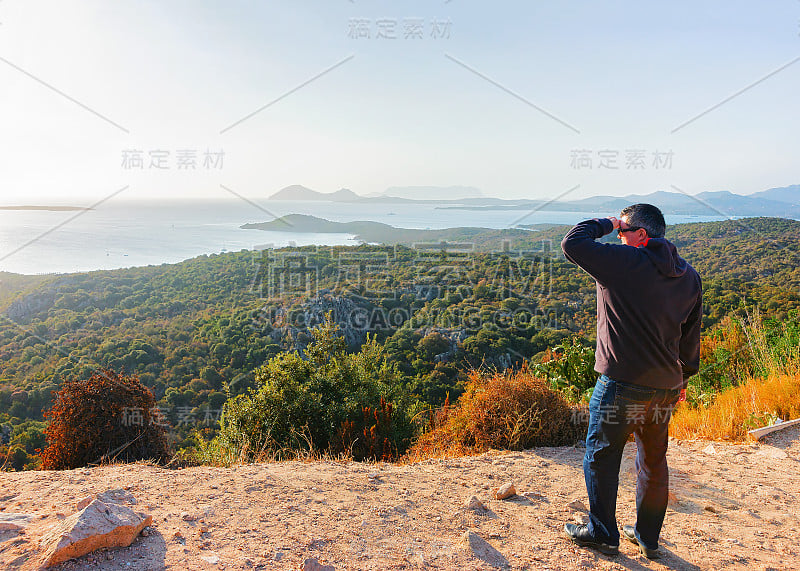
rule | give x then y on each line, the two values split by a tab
195	331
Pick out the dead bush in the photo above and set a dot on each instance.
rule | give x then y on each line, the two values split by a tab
507	411
108	417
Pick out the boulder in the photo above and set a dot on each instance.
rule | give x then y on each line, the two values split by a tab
118	496
96	526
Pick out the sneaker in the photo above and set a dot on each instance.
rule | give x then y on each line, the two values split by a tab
580	535
630	533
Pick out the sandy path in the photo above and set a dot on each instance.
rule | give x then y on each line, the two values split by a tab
733	509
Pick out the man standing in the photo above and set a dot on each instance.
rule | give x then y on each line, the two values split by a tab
649	308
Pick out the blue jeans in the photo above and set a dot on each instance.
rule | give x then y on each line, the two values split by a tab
616	411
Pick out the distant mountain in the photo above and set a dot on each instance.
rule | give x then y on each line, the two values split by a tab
298	192
433	192
703	204
782	202
790	194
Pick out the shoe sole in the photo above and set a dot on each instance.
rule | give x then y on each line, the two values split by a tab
603	548
649	553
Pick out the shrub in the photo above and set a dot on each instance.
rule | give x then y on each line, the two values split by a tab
330	402
752	404
107	417
508	410
740	350
569	368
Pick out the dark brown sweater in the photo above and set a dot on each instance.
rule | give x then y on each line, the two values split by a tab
649	307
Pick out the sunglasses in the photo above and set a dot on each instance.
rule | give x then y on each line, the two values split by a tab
628	229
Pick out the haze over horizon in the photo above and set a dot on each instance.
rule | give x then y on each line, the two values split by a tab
185	100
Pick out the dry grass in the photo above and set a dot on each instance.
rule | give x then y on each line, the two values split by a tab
508	411
751	405
767	360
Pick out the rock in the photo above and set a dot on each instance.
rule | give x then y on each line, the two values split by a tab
417	559
711	508
577	505
118	496
473	503
710	450
505	491
311	564
96	526
483	550
213	559
773	453
146	532
14	521
207	510
186	516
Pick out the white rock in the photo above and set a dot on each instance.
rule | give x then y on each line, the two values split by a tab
206	509
213	558
473	503
505	491
14	521
710	450
96	526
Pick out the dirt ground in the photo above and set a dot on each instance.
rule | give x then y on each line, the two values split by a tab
730	508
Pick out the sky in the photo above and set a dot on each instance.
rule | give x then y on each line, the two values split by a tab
180	99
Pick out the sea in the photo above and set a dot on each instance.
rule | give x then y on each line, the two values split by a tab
121	234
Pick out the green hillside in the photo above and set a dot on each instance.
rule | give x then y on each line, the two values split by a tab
196	331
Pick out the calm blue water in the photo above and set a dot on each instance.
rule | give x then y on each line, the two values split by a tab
121	234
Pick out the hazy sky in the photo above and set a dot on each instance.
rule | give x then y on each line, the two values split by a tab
517	98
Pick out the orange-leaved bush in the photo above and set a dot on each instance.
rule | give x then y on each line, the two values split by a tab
504	410
108	417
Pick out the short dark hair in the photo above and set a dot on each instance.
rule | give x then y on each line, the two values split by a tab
646	216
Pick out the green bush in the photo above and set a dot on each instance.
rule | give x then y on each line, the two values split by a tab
569	368
327	401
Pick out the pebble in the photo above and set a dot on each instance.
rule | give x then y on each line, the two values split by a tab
577	504
505	491
473	503
312	564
